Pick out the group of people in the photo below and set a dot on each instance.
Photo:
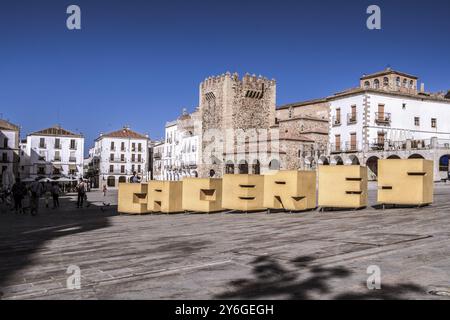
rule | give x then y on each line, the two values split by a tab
14	196
20	191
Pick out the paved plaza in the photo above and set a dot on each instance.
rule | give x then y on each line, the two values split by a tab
308	255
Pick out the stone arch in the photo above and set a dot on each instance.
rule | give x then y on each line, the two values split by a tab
444	163
274	165
393	156
416	156
405	83
229	167
324	161
310	162
243	167
111	181
367	84
372	165
122	179
376	84
256	167
354	160
339	161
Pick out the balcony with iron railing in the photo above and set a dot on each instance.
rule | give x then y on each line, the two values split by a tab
58	146
352	146
379	144
383	118
336	121
157	155
351	118
336	148
118	171
120	160
72	159
57	159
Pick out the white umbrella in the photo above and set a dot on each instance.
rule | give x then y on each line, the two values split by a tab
66	180
46	180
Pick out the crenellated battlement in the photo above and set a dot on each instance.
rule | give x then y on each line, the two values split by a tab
247	81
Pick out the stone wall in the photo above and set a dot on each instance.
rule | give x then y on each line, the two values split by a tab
226	104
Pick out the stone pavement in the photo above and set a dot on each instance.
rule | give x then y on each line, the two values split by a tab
308	255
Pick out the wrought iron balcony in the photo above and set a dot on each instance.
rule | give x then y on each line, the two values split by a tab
336	148
382	118
352	146
351	118
336	121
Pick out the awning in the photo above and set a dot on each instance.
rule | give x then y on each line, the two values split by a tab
73	167
57	166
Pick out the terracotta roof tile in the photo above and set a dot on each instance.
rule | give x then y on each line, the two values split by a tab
124	133
55	131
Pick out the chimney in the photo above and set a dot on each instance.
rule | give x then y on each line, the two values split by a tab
422	87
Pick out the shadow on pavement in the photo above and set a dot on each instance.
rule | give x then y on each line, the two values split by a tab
304	281
22	235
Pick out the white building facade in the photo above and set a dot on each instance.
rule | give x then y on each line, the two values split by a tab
171	154
52	153
387	117
120	153
9	152
180	155
157	153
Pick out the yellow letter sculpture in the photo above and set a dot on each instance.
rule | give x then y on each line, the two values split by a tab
202	195
243	192
342	187
405	182
290	190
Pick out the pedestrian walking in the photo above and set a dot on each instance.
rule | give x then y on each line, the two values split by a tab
19	191
56	190
81	189
104	190
36	190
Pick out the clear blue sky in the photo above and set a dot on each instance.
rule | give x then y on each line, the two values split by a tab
140	62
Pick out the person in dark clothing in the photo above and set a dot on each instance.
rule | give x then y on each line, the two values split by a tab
56	190
18	191
81	188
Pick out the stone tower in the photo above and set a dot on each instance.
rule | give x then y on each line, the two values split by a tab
227	104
